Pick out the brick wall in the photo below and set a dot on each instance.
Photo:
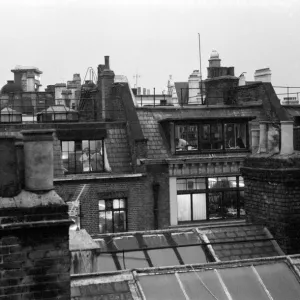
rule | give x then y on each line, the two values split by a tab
34	247
138	191
272	197
35	263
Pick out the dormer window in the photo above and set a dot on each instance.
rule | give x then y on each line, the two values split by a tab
208	136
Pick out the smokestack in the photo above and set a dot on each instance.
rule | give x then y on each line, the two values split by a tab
38	158
9	179
106	58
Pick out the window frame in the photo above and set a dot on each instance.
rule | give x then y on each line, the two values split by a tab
76	144
125	210
220	143
207	191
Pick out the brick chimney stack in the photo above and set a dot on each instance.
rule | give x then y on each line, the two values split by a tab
272	191
34	223
105	83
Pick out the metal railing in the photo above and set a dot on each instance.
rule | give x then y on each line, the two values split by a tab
55	110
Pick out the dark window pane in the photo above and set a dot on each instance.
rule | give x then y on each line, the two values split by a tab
229	204
205	137
230	137
215	205
242	204
241	136
216	137
119	221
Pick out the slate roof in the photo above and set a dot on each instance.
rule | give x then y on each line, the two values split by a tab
242	242
176	246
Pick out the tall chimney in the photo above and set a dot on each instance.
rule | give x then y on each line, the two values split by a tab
106	58
38	158
9	175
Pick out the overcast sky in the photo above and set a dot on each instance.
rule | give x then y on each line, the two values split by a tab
153	38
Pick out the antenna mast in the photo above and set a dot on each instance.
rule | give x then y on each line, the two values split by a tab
201	91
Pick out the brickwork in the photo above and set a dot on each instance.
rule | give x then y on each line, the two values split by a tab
216	89
34	247
35	263
272	197
138	191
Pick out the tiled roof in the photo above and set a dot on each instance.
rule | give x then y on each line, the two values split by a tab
242	242
175	247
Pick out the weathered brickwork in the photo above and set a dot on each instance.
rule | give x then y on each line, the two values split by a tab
138	191
272	198
35	263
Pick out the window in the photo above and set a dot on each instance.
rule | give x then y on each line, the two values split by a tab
235	136
83	156
112	215
186	138
210	137
210	198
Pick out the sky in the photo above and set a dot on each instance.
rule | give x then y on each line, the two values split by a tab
153	39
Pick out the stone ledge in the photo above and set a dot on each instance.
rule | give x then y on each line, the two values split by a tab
97	176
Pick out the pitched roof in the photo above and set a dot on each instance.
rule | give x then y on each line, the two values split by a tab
274	278
173	247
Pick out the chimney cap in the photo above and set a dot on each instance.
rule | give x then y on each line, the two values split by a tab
214	55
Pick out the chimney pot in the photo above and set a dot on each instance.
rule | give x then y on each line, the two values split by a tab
106	62
38	158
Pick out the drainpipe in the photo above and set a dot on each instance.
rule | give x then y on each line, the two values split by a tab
155	187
